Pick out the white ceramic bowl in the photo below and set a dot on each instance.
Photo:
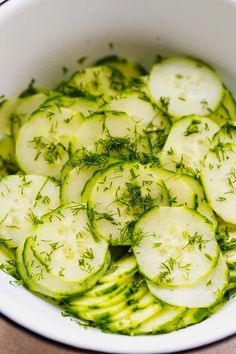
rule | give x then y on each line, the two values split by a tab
37	38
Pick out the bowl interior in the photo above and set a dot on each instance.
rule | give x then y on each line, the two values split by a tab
38	38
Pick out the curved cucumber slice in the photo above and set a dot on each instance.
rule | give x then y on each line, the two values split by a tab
99	133
43	142
160	320
7	156
137	295
82	105
185	86
151	119
7	260
174	254
6	109
187	144
128	68
227	241
218	179
192	316
135	318
24	108
179	190
205	293
226	135
86	303
137	105
100	81
84	158
121	193
140	300
205	209
202	206
229	104
73	258
37	277
120	269
230	257
220	116
109	287
78	170
74	183
24	199
232	276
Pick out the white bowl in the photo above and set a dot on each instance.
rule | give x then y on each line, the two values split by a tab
37	38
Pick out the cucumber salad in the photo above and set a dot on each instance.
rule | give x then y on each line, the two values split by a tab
118	194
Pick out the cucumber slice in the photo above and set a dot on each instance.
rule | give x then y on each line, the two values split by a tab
59	266
74	183
87	303
7	156
120	295
99	133
230	257
99	81
38	279
6	109
88	187
84	158
115	281
158	322
207	292
43	143
100	315
83	105
139	301
152	120
202	206
7	260
218	180
185	86
128	68
24	199
121	193
220	116
109	287
192	316
187	144
226	238
226	135
179	190
205	209
232	276
120	269
23	110
175	254
137	105
137	296
136	317
7	152
229	104
78	171
76	257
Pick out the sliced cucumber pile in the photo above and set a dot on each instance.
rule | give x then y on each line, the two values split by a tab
118	191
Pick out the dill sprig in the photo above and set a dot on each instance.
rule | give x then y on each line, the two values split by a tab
50	151
225	240
196	239
220	150
133	199
193	127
